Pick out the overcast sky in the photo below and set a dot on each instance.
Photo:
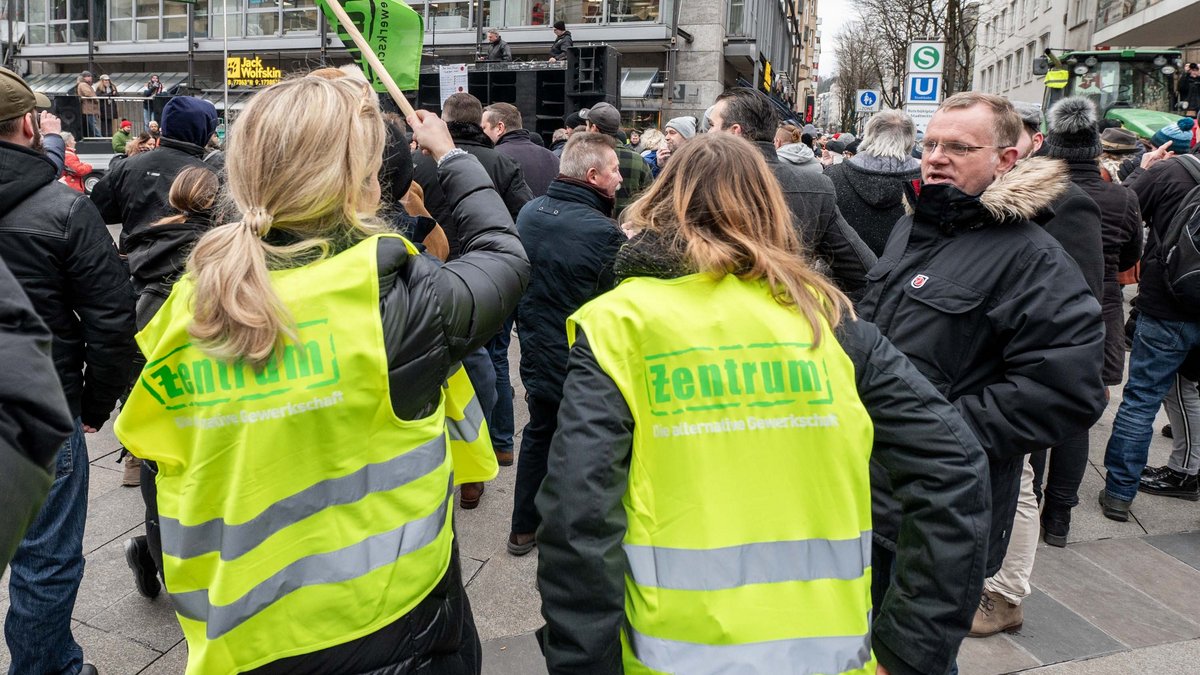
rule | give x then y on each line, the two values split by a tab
833	14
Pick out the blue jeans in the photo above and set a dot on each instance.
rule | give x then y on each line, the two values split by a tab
1159	348
46	572
502	424
91	125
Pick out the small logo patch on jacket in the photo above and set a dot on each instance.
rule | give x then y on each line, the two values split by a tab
918	281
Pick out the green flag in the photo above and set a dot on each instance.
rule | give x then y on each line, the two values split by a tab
395	32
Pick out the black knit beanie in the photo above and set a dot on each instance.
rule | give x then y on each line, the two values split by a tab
1071	127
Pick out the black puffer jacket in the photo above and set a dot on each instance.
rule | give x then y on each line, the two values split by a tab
997	315
870	194
572	242
924	446
34	420
1160	191
134	192
157	257
840	253
56	245
506	176
1121	241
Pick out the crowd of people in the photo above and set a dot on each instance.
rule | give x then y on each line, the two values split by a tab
798	402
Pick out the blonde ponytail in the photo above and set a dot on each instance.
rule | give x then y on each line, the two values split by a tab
285	172
237	314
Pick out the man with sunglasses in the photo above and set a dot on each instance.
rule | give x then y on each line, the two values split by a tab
996	314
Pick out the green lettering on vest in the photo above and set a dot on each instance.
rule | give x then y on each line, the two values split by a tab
168	380
710	380
731	370
748	370
803	376
302	362
659	382
270	372
772	376
202	376
681	381
185	378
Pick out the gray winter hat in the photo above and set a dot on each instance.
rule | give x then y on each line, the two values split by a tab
1071	130
686	126
1031	114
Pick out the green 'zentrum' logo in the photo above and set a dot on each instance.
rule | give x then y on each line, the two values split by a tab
927	57
186	377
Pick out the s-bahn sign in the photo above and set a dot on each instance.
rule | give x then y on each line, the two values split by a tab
926	57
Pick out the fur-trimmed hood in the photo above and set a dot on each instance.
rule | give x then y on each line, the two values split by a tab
1019	195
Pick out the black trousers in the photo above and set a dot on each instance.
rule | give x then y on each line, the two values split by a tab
531	463
1068	462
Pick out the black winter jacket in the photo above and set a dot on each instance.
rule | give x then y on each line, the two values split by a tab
34	419
572	242
134	192
506	176
922	444
870	195
1160	191
539	165
558	50
1073	219
838	250
1121	242
997	315
433	315
56	245
157	257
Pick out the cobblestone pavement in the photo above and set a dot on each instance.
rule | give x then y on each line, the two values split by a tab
1118	600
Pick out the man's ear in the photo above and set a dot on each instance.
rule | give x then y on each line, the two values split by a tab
1008	159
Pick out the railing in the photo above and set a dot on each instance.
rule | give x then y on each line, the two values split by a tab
110	110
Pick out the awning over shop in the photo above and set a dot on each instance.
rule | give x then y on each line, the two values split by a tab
636	82
128	84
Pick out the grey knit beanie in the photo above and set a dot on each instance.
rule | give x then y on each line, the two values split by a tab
686	126
1071	127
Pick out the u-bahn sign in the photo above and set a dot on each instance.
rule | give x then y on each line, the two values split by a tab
926	57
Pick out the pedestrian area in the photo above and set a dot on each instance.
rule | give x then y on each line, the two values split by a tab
1119	600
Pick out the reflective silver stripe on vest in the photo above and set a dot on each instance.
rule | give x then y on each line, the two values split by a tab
332	567
798	656
762	563
467	429
234	541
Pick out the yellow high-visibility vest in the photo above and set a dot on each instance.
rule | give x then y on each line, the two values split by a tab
749	498
470	441
297	511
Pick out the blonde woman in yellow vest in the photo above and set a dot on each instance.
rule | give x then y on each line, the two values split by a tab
708	504
293	401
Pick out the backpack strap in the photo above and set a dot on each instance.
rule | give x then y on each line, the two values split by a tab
1192	164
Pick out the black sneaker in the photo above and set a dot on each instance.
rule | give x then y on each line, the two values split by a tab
1172	483
1056	525
145	572
1113	508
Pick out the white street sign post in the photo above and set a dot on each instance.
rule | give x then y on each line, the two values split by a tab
867	101
921	113
923	88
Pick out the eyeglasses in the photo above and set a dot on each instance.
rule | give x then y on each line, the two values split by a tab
955	148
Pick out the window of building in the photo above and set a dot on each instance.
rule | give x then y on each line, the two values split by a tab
1003	24
1007	72
737	17
1018	68
1012	17
1030	55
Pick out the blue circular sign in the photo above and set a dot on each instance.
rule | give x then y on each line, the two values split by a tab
867	98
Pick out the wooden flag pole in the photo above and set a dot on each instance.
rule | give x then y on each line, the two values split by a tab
369	55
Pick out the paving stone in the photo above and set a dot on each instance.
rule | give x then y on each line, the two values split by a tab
1053	633
113	654
504	597
173	662
517	655
106	581
1184	546
1116	608
470	567
1147	569
148	622
112	516
1087	521
1179	658
103	444
993	656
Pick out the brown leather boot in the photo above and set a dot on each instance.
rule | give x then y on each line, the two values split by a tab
994	615
504	458
470	494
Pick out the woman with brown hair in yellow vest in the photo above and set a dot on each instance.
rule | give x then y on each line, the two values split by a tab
293	400
708	503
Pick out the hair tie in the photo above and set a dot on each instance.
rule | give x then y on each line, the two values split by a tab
258	221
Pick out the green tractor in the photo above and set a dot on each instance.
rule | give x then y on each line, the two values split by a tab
1135	86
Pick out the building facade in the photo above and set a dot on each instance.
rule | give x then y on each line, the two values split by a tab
676	55
1010	34
1146	23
